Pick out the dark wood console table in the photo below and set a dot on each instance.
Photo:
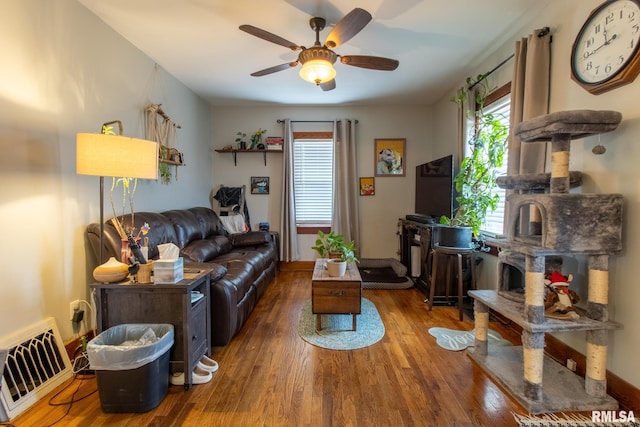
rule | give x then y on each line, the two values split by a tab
176	304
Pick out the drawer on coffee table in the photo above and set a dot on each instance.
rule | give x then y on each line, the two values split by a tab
336	297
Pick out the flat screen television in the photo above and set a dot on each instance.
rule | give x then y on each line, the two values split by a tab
435	192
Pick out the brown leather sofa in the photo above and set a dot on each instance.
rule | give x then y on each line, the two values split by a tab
243	264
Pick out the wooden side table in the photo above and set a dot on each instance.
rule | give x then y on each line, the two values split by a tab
176	304
335	295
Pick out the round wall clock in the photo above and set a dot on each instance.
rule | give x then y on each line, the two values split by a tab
606	52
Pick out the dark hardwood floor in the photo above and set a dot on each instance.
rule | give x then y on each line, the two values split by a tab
269	376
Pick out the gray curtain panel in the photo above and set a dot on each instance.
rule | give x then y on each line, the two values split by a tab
288	231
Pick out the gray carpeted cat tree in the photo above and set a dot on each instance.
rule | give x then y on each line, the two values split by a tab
564	224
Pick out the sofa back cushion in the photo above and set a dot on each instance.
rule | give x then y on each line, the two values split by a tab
186	226
161	231
209	222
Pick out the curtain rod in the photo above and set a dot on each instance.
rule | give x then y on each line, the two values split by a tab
310	121
543	32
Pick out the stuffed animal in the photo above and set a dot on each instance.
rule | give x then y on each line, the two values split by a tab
559	299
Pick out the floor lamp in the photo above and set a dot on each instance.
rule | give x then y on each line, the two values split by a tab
116	156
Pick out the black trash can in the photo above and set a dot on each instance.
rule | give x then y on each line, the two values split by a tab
131	362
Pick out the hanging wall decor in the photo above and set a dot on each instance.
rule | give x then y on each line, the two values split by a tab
160	128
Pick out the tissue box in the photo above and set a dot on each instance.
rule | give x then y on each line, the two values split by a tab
168	271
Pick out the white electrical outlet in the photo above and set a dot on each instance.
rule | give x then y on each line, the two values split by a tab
73	306
571	364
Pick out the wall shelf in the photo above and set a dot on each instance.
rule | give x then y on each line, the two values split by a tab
234	152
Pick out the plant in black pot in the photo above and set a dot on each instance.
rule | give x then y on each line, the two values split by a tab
338	252
475	183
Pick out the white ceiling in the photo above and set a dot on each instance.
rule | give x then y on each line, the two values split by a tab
198	42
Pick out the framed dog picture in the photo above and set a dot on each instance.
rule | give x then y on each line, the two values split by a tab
389	157
259	185
367	186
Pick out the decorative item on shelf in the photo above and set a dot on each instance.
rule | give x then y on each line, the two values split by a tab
338	252
241	141
144	273
125	250
256	138
479	169
111	271
274	143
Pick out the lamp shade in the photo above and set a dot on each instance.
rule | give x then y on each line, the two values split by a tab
114	155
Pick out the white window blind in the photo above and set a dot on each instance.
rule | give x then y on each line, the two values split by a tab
313	180
494	221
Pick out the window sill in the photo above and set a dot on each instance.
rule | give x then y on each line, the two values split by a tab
313	228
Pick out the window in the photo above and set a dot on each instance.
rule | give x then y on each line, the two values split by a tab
313	181
500	107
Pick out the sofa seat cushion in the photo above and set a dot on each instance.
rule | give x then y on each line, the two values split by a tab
258	260
239	276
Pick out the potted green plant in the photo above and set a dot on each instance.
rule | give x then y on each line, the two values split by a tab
476	180
241	140
163	168
256	138
338	252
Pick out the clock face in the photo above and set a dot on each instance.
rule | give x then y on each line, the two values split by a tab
607	42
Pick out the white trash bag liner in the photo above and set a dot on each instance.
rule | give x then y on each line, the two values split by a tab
129	346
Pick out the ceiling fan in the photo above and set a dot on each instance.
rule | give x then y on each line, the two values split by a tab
317	61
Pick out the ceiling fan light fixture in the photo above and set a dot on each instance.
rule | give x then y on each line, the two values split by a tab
317	71
317	65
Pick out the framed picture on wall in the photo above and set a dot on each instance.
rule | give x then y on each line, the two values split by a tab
259	185
367	186
389	157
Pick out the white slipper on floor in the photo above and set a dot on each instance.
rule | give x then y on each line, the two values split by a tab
199	376
208	364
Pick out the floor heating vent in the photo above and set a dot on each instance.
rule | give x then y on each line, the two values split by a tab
35	362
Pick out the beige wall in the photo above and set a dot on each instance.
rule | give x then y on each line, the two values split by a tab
379	214
614	172
63	72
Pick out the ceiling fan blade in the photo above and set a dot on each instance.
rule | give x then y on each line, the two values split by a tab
330	85
274	69
265	35
352	23
370	62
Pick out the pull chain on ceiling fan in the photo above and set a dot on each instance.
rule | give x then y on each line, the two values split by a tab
317	61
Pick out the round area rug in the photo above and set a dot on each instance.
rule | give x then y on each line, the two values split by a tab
336	333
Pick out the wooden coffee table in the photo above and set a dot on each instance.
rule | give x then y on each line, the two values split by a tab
335	295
